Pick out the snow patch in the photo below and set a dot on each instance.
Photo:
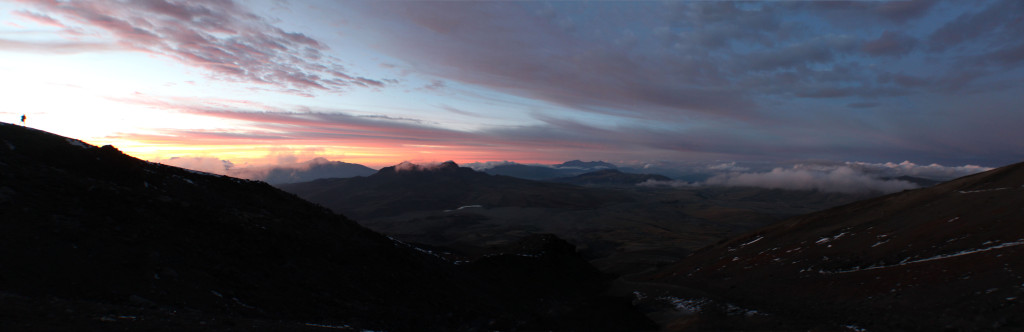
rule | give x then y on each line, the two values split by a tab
425	251
686	305
827	239
465	207
979	191
752	241
734	310
199	172
639	296
855	328
76	142
329	326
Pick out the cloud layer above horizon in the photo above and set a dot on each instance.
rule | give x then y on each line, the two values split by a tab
380	82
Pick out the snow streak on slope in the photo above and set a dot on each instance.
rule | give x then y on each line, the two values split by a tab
933	258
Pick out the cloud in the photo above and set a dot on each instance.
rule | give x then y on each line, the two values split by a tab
202	164
824	176
890	43
862	105
902	11
730	166
839	179
815	51
652	183
52	47
481	166
997	21
859	12
529	52
285	169
39	18
222	37
907	168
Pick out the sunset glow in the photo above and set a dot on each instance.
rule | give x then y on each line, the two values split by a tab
381	82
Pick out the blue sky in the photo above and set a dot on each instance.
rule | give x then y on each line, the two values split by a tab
379	82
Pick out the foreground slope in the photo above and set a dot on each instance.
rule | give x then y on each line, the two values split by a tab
93	239
946	257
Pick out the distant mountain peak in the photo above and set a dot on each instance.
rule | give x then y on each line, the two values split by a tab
448	164
407	166
585	165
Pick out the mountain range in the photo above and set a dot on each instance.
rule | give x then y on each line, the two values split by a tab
619	226
93	239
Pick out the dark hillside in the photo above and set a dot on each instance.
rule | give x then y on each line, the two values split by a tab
946	257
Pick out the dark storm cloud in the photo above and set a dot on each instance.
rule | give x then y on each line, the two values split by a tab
885	79
859	12
538	54
220	36
998	24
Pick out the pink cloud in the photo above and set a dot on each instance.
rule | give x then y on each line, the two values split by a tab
39	18
54	47
219	36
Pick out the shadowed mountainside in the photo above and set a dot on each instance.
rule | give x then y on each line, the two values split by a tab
407	188
93	239
945	257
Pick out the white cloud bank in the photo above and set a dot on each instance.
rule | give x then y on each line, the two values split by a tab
907	168
841	179
848	177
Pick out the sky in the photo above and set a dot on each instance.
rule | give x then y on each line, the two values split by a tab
251	83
